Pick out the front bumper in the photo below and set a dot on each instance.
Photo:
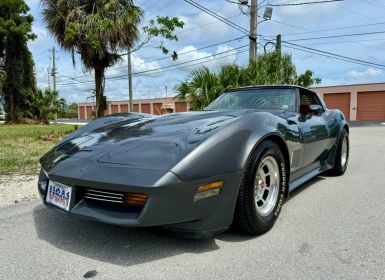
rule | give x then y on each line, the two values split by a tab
169	205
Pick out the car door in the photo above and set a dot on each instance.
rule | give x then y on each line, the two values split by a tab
314	132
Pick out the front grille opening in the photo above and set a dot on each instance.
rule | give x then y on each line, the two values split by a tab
109	196
129	199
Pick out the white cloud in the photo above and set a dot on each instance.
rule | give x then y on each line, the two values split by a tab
138	65
203	27
367	74
307	10
212	27
308	17
210	60
305	17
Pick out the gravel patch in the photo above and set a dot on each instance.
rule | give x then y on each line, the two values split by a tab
15	189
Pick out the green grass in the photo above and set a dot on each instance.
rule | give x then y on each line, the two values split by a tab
21	146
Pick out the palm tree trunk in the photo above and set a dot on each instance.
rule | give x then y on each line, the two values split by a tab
100	99
12	108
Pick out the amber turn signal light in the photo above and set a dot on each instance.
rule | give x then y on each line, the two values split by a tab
135	199
208	190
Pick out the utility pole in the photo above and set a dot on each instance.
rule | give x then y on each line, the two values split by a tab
53	71
166	91
130	81
278	48
253	30
279	44
49	77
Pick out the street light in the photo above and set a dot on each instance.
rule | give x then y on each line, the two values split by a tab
268	13
253	9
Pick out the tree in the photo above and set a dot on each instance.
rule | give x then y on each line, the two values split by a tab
162	27
99	31
70	111
2	79
46	104
202	86
15	58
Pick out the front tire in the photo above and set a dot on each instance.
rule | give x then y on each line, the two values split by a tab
262	191
342	155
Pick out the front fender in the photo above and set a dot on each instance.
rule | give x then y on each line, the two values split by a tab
228	149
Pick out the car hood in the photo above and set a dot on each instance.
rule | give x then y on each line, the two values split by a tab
154	143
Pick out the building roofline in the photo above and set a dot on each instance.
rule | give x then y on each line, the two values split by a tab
265	86
349	85
137	101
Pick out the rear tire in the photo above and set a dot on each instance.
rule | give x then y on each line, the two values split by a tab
262	191
342	155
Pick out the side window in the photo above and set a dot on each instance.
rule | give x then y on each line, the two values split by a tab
307	98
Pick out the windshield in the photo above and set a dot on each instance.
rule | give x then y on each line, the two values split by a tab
265	98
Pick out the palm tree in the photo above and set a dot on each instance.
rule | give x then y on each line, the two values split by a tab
200	89
46	104
202	86
98	30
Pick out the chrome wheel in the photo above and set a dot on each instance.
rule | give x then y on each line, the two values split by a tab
267	182
344	151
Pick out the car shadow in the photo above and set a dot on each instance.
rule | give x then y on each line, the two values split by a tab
306	185
232	235
126	246
111	244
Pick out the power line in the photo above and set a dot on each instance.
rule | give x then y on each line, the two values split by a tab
378	3
328	56
333	29
338	36
304	3
374	4
183	64
190	65
343	42
303	28
203	25
224	20
253	24
354	12
163	58
220	18
343	57
151	7
198	49
185	30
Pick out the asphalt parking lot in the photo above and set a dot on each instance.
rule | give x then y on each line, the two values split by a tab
330	228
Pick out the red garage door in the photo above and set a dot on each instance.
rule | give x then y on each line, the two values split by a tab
371	106
89	113
146	108
180	106
124	108
114	109
340	101
81	111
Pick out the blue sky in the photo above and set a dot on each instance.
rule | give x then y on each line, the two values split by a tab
201	30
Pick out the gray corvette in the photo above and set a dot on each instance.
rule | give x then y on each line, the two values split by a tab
197	173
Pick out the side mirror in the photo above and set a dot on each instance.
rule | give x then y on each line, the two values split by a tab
315	109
